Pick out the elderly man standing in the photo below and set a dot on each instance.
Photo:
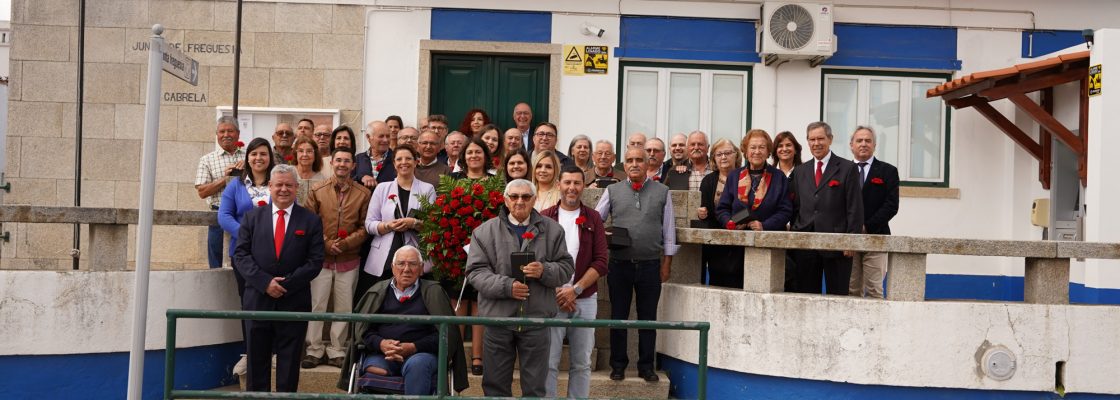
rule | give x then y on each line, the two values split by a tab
698	157
429	168
879	189
453	146
374	166
578	299
322	136
636	140
407	350
214	171
279	251
656	150
638	266
282	140
604	171
826	198
530	293
523	122
407	136
341	203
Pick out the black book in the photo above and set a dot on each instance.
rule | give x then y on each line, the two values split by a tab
619	238
517	260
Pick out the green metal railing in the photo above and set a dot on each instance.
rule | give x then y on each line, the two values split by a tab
173	315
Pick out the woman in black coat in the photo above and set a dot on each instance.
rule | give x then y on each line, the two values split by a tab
757	186
714	258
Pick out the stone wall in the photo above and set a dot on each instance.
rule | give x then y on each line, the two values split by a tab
294	55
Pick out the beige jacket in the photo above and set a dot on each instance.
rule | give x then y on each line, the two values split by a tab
349	217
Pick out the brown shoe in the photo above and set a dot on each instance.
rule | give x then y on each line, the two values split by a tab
310	362
335	362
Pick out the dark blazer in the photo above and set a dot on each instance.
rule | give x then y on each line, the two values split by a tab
593	252
363	166
880	197
774	212
301	259
834	206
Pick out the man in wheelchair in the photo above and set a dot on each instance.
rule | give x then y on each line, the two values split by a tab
396	357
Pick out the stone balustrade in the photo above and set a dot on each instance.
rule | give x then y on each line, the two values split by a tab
1046	272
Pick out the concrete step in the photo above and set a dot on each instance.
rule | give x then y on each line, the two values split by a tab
564	357
322	379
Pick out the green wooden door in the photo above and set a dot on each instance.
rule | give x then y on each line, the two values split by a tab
461	82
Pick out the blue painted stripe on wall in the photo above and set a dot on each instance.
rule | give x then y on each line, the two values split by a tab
698	39
1046	42
725	384
491	25
1006	288
105	375
910	47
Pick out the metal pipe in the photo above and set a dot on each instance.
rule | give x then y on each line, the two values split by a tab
75	252
144	224
237	60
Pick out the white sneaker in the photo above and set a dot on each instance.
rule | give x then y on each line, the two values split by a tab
242	367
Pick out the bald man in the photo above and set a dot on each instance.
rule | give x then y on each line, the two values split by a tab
373	166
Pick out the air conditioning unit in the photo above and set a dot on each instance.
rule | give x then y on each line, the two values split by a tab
796	31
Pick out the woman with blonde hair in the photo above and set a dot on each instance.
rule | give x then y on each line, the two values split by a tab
546	176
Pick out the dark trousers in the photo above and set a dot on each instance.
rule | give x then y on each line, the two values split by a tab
501	345
285	339
214	238
809	265
241	300
627	279
725	265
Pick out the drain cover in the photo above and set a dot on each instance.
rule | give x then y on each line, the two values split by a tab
999	363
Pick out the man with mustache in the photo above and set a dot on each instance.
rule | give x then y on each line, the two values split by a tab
214	170
698	157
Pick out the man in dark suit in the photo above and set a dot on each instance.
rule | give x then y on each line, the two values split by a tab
279	251
879	182
826	198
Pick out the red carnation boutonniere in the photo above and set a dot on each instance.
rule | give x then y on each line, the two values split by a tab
637	186
239	144
833	183
289	158
379	165
299	232
261	203
877	181
657	179
342	234
528	236
580	220
393	197
731	225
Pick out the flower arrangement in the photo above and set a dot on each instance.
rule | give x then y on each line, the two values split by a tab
446	223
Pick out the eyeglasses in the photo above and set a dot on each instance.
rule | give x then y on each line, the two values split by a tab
284	133
409	264
321	134
725	154
437	127
424	143
521	113
544	134
519	197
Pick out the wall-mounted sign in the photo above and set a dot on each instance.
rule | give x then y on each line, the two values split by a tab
585	60
1095	80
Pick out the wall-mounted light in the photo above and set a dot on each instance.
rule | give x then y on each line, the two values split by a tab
1088	35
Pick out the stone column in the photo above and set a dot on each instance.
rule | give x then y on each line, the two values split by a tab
764	270
906	280
108	247
1046	281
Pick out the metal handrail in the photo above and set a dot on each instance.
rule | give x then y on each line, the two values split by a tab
173	315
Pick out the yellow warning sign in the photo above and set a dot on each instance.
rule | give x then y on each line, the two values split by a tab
586	60
1095	80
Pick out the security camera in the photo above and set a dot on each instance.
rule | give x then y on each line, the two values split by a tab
593	30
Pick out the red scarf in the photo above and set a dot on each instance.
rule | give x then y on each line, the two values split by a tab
755	198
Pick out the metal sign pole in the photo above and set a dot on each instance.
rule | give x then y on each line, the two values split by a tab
144	225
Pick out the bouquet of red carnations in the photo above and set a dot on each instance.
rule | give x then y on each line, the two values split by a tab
446	224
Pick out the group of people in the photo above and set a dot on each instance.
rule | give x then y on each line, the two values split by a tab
312	223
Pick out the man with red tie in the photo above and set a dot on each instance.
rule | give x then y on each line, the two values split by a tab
826	198
279	251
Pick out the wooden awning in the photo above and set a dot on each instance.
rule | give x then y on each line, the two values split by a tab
978	89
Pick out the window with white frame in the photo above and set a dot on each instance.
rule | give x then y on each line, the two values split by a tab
911	130
664	100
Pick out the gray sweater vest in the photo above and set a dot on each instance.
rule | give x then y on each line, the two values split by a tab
644	224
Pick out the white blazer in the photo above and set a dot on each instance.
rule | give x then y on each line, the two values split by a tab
381	209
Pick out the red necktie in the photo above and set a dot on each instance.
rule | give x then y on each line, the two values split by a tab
818	175
279	235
